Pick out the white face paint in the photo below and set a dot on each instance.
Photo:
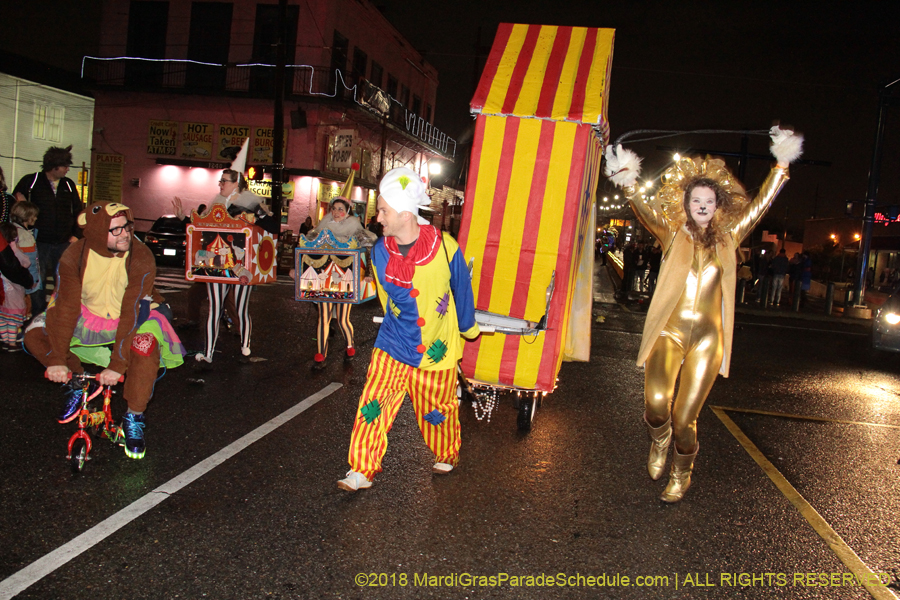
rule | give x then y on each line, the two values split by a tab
702	205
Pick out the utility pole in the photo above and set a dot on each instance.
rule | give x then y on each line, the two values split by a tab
278	141
862	265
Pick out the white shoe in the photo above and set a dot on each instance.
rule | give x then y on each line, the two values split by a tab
201	358
245	351
441	468
354	481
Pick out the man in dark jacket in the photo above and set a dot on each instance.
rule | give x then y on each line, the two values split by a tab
57	198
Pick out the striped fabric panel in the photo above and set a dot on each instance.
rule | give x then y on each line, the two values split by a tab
551	357
523	243
501	40
548	72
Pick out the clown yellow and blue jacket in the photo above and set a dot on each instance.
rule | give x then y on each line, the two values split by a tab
423	324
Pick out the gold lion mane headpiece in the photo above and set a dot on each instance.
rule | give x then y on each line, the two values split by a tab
670	197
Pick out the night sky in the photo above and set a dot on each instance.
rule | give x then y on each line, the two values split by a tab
712	65
677	65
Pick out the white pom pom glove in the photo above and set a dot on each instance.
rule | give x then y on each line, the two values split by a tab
787	146
622	166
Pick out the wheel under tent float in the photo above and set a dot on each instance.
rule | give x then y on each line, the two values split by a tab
528	221
226	249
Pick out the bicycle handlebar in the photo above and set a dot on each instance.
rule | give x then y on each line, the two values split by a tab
83	376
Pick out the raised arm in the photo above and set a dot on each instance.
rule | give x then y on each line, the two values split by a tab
650	217
622	167
755	211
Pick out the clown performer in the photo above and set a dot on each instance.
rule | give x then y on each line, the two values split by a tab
700	216
107	312
426	295
343	225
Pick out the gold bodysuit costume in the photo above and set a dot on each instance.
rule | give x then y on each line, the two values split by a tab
689	325
693	334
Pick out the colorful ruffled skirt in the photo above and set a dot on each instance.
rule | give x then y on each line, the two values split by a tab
94	336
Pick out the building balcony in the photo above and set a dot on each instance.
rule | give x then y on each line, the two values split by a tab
303	82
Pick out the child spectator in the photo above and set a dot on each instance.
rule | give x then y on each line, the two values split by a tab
12	310
24	215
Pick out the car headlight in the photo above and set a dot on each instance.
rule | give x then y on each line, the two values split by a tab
892	318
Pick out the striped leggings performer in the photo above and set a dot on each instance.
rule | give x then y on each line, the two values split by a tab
9	326
433	396
217	293
327	311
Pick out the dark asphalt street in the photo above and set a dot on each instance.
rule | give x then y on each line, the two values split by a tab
571	497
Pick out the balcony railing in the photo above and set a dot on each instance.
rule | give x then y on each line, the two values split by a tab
258	81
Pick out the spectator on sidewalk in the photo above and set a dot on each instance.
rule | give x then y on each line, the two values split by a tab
654	258
795	268
780	267
57	200
805	277
628	268
6	200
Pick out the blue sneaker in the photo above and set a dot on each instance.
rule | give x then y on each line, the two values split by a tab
74	394
133	428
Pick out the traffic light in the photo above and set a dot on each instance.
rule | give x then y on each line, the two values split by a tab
254	174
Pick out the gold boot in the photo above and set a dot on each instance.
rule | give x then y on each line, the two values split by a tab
659	448
680	478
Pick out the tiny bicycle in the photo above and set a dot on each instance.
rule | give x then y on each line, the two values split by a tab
99	421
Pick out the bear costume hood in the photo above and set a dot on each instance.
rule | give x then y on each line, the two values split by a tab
95	220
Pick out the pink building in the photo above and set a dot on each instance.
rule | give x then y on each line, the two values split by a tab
179	85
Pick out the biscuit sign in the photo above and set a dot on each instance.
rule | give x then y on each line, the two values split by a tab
162	138
342	150
231	138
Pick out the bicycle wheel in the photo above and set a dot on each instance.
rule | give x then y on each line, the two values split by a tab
79	456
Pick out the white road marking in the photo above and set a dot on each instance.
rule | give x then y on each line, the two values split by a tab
48	563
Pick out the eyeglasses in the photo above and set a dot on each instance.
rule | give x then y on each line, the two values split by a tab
224	181
128	226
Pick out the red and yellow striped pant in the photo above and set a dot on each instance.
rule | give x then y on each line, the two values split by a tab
433	396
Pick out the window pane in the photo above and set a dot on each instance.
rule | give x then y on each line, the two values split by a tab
377	76
55	123
209	42
40	118
147	24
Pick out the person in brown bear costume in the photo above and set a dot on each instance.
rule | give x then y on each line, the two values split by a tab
107	312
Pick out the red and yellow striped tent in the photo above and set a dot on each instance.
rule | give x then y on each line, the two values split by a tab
529	210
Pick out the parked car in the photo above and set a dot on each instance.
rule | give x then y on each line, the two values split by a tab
886	325
167	240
